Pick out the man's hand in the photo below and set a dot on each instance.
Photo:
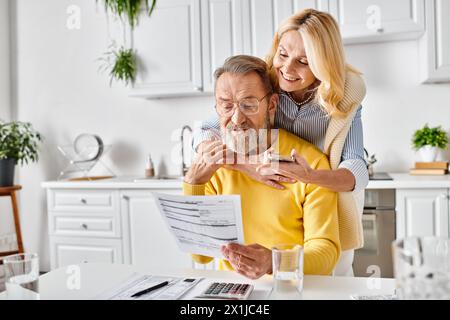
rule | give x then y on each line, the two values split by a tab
299	170
252	261
207	161
272	180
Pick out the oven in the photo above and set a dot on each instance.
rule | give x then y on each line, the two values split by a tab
375	258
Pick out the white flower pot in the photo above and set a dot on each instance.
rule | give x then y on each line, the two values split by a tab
428	153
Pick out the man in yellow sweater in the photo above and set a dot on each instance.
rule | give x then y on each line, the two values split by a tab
301	213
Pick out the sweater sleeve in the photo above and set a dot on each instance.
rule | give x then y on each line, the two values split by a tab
199	190
321	229
353	153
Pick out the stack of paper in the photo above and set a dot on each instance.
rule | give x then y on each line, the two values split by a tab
201	224
176	288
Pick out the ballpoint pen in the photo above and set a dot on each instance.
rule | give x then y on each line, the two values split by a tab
140	293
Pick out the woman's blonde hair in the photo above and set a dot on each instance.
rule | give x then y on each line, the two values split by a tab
325	53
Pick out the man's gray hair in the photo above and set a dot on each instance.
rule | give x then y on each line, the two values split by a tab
243	64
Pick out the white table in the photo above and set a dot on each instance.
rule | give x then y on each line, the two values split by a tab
96	278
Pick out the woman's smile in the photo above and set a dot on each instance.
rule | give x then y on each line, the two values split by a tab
288	77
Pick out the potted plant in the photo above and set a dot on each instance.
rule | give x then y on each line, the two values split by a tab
428	140
18	144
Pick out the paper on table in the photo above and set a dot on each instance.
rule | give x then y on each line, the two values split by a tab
201	224
176	288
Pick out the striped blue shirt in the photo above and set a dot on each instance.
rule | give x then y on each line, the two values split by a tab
310	122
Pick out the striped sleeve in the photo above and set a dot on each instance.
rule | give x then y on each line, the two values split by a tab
353	153
209	130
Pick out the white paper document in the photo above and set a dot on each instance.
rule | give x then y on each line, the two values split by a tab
175	288
201	224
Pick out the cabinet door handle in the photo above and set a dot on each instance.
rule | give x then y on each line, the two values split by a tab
198	88
84	226
83	201
380	30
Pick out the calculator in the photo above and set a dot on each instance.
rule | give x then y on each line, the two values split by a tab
227	290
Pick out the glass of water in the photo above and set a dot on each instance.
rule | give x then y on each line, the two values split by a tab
22	276
422	268
287	267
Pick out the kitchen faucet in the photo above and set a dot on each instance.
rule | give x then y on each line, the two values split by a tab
184	168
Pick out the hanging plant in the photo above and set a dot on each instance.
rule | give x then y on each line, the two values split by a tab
130	9
121	63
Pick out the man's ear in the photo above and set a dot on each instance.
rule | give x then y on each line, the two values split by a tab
273	104
274	99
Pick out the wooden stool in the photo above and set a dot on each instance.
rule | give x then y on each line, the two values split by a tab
11	192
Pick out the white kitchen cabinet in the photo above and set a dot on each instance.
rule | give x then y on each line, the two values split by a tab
263	17
147	240
222	35
180	61
168	45
422	212
84	226
67	251
112	222
231	27
184	41
434	47
364	21
282	9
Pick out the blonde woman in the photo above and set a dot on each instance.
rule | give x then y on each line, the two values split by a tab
320	101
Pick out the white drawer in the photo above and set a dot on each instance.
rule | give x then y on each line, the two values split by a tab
84	226
83	200
67	251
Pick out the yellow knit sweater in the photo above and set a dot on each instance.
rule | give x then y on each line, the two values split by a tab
302	213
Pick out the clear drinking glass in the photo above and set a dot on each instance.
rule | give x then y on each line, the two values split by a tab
22	276
422	268
287	267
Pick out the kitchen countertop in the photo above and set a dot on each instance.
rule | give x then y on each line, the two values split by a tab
96	278
125	182
407	181
400	181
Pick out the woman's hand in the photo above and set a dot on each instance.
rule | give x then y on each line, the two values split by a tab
207	161
272	180
299	170
252	261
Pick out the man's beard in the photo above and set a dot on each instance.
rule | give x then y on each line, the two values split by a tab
244	140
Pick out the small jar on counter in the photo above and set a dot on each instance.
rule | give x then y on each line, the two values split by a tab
149	168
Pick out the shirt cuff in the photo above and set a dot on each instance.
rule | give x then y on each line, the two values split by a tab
194	189
359	170
201	135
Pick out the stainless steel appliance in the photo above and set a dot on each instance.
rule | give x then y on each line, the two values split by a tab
375	258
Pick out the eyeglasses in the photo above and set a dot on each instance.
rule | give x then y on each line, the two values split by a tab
248	106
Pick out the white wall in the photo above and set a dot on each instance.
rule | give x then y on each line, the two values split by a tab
396	104
5	103
60	91
4	61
